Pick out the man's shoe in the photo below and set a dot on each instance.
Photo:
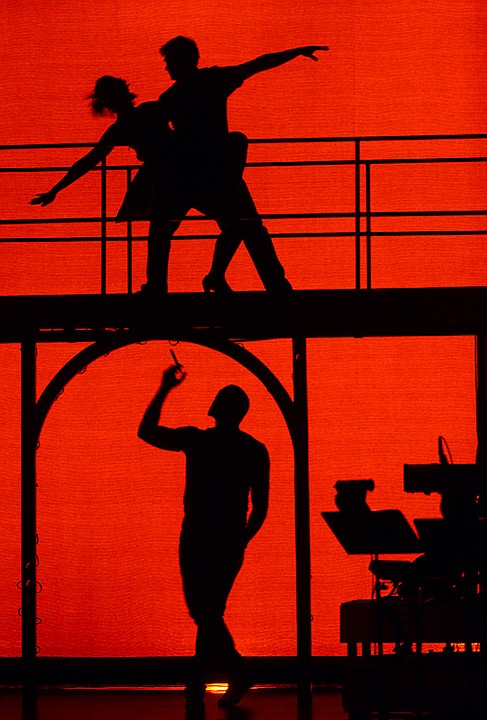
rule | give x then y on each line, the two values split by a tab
281	287
194	706
236	691
194	710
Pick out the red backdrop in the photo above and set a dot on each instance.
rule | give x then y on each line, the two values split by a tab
110	506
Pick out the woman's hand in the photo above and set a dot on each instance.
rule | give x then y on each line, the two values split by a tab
44	199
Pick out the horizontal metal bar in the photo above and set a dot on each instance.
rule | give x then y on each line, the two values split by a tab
70	239
298	163
198	218
261	141
58	168
192	218
143	238
38	169
370	138
264	216
344	234
405	233
420	161
50	221
275	163
49	146
426	213
305	216
372	161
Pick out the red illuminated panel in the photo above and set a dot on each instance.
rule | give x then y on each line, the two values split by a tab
110	506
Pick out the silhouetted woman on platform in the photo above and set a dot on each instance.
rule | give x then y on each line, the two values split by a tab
155	192
137	127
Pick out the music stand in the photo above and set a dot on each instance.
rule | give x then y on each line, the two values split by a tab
384	532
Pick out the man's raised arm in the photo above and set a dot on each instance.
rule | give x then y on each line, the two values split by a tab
149	429
272	60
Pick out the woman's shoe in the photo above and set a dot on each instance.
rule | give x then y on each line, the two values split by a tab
216	284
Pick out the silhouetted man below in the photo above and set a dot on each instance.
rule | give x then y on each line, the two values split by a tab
224	465
196	108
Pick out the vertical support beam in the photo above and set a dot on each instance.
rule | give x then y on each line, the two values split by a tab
357	215
481	456
129	243
481	398
28	523
368	229
103	228
302	521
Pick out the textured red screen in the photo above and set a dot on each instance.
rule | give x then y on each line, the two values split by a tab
110	507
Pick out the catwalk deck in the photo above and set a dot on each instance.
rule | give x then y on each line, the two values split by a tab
248	315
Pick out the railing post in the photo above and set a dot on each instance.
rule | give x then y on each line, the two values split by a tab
129	242
302	521
357	214
104	226
368	228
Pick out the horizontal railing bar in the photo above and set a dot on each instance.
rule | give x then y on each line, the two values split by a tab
51	221
370	138
424	213
298	163
51	146
417	161
264	216
143	238
406	233
259	141
196	218
275	163
61	169
54	169
112	240
378	161
64	239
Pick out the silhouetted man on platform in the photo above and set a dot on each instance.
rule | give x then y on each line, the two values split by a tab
196	108
224	465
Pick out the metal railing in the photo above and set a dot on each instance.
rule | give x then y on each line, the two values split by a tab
362	216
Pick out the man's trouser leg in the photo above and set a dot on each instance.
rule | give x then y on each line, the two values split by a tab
208	575
165	221
242	222
246	224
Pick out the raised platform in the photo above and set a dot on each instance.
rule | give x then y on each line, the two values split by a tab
248	315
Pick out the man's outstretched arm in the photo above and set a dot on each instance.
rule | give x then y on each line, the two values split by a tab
149	429
272	60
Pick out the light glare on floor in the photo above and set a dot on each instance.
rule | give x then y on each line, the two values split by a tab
217	688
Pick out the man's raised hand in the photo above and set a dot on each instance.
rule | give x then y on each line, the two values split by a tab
309	51
172	376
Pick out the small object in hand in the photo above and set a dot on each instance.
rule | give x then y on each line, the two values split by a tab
180	368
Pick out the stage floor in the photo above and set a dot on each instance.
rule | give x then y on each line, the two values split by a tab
168	704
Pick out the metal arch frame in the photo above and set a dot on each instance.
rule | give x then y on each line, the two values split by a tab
295	414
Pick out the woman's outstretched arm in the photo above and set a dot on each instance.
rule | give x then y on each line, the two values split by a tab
103	147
